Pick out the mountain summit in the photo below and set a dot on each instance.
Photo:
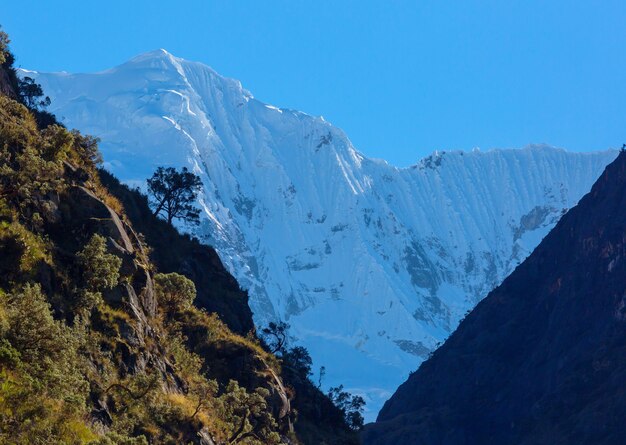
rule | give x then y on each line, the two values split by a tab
372	265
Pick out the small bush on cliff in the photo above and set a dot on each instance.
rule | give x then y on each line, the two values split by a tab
101	270
175	292
4	46
249	415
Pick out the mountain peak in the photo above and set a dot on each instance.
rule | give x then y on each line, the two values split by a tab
155	54
158	58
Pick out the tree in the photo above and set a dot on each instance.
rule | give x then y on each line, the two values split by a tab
86	147
101	269
31	93
276	336
297	361
4	46
43	391
202	392
174	292
249	414
173	193
351	406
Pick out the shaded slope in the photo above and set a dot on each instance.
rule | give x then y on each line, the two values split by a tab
543	358
171	251
318	420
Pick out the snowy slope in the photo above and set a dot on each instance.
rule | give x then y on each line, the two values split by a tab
372	265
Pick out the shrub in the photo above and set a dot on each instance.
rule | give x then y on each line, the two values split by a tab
297	364
101	270
249	415
30	162
4	46
174	292
42	390
113	438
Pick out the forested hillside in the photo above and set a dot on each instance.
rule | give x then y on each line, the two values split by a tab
115	328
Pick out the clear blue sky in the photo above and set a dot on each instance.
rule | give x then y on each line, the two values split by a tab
402	78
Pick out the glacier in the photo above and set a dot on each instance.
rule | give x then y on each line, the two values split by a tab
372	265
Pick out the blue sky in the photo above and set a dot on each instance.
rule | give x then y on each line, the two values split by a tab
402	78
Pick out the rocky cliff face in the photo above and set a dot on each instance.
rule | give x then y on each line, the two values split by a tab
372	265
217	290
541	360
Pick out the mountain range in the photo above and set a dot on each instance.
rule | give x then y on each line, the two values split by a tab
541	359
372	265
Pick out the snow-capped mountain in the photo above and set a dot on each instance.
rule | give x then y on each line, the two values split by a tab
372	265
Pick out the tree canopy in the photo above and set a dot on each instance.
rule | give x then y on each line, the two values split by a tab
32	93
174	291
276	336
350	405
4	45
172	194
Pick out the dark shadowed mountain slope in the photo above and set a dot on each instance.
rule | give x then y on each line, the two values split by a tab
541	360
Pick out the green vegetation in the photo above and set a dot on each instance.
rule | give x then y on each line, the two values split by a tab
101	270
105	340
351	406
338	410
276	335
4	46
251	415
42	391
173	193
174	291
216	290
32	93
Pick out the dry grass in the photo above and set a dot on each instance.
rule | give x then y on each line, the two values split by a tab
36	249
101	192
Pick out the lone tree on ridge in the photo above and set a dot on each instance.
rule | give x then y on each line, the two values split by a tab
172	194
